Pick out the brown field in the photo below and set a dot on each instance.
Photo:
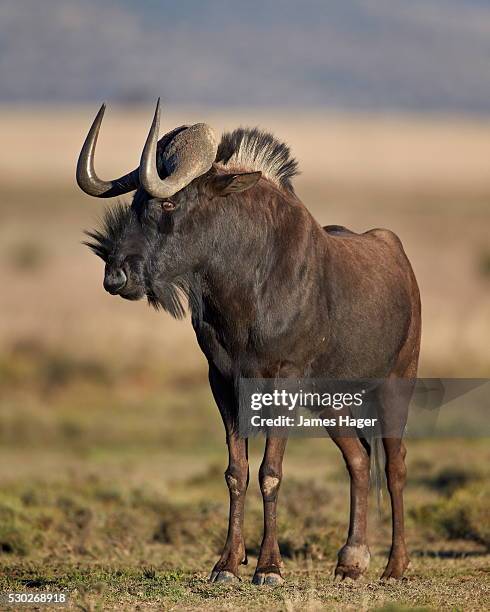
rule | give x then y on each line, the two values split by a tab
426	180
111	453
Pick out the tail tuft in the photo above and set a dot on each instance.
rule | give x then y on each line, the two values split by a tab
377	470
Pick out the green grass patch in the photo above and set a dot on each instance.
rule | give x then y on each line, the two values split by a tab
463	515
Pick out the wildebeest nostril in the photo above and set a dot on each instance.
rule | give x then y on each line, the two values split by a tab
114	280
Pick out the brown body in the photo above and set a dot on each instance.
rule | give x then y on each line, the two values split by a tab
318	303
272	295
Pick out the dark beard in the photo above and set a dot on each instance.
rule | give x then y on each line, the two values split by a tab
176	296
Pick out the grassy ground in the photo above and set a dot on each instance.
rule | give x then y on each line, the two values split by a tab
111	450
114	492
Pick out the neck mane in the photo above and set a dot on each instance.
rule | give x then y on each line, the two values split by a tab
251	150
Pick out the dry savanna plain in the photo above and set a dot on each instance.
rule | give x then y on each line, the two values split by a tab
111	451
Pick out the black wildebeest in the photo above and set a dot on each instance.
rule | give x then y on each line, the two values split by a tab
272	295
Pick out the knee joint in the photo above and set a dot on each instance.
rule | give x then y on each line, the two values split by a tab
396	474
359	467
269	484
236	482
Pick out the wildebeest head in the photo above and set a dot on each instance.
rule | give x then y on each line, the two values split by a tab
188	197
181	155
196	226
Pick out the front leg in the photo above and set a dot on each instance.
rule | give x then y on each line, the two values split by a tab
269	563
236	476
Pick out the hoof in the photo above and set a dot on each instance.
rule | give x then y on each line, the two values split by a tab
396	568
346	575
353	562
223	576
268	576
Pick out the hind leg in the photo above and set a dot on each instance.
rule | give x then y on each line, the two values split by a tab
394	398
396	476
354	556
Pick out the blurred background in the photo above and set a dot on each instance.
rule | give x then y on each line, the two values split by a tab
386	106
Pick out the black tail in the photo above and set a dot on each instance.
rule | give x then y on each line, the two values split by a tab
377	469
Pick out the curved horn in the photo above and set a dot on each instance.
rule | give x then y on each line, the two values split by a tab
87	178
190	154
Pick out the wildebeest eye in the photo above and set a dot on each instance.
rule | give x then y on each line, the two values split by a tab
168	205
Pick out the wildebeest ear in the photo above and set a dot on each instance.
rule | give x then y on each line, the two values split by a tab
223	184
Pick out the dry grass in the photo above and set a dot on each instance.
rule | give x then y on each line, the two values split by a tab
111	488
111	450
123	504
427	181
